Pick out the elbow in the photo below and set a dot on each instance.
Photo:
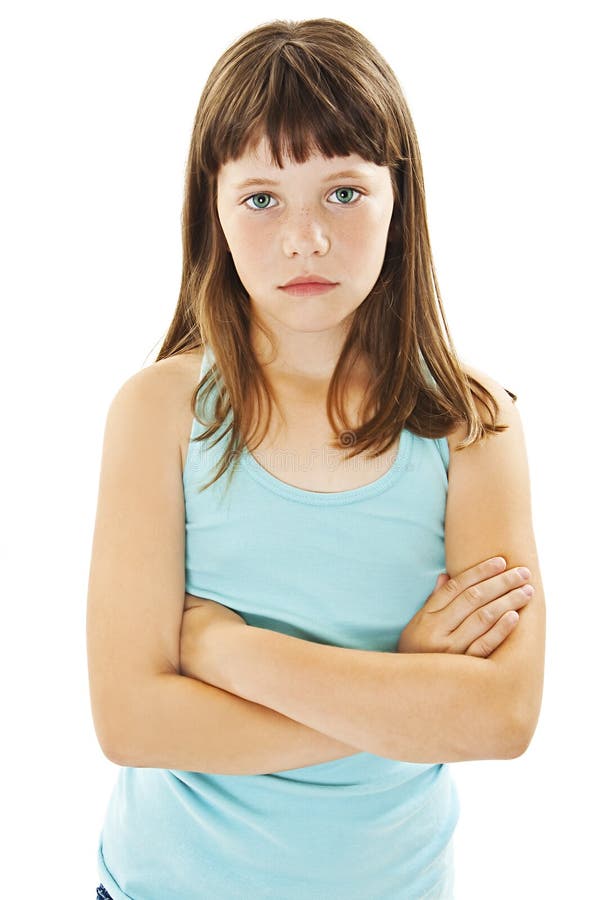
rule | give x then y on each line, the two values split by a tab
113	750
517	714
516	749
105	736
122	724
116	758
108	745
519	733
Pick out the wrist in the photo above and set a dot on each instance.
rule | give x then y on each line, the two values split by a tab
250	658
218	648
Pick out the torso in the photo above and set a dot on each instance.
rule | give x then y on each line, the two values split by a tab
297	453
300	453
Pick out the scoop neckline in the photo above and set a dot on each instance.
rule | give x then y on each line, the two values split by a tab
322	498
331	498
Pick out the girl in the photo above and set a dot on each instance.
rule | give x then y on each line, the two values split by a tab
278	660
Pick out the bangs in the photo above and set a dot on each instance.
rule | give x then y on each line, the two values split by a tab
301	105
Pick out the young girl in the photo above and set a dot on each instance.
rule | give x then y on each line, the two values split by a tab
296	615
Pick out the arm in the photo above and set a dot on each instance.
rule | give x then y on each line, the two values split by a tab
416	707
145	712
489	512
449	707
177	722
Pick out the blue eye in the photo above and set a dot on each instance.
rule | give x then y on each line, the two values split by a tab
257	208
338	191
345	190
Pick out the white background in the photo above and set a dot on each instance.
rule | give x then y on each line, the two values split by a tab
97	111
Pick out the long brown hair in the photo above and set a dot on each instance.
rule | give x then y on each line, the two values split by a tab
319	86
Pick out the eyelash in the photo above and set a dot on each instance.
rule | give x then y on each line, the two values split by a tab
267	194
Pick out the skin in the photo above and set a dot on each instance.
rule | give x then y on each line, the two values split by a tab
304	227
308	225
302	230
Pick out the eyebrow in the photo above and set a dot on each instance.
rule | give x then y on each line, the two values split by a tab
347	173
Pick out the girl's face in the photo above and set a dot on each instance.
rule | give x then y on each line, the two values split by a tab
326	217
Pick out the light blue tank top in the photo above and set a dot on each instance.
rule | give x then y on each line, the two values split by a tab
348	569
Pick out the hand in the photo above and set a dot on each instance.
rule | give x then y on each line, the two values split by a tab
200	625
467	614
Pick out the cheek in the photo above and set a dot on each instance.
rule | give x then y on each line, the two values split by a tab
356	247
251	244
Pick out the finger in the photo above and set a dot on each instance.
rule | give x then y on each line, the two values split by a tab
481	620
478	595
440	580
451	589
488	642
507	587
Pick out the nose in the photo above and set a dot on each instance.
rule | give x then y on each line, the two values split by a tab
304	234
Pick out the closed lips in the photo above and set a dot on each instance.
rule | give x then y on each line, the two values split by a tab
308	279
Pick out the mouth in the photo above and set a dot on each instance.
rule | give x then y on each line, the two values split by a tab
308	288
309	278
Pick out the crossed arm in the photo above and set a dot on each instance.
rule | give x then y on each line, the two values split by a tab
426	707
416	707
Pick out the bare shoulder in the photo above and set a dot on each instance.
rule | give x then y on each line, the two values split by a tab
508	413
180	375
166	389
